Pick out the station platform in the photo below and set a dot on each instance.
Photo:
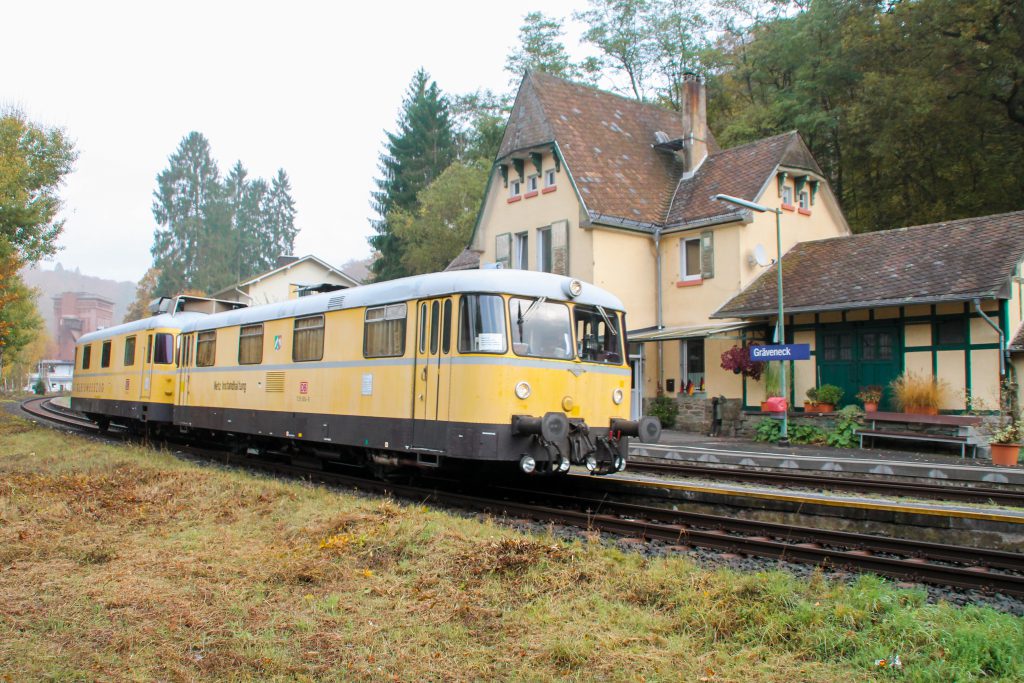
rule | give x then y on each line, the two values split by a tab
725	451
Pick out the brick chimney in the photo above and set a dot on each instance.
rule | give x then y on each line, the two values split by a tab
695	122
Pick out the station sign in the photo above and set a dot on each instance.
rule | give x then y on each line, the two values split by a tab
780	352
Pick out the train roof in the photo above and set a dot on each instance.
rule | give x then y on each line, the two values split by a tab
497	281
163	321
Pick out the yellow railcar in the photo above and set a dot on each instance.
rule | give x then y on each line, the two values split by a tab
487	365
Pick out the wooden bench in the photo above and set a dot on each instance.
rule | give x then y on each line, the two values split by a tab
957	434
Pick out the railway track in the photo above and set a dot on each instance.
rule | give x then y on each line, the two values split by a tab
973	494
909	560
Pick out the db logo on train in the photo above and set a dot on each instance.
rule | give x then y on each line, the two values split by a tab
303	387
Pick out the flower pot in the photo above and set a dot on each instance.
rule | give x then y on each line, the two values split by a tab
921	410
818	407
1005	453
870	407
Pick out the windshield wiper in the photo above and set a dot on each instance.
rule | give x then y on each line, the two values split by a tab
607	321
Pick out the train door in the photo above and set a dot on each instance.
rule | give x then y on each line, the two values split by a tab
184	368
147	369
432	386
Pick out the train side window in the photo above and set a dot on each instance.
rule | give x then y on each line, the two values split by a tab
86	356
129	352
163	353
206	349
446	327
149	349
384	331
482	324
308	339
435	318
105	354
423	328
250	344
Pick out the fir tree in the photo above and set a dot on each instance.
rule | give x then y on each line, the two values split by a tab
421	148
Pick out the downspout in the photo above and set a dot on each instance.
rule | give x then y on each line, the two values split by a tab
661	319
999	331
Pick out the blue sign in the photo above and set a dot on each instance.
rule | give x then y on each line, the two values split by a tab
781	352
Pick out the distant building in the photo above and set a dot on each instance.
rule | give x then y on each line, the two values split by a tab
55	375
78	313
291	278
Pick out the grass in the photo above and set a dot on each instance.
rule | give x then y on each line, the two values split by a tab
124	563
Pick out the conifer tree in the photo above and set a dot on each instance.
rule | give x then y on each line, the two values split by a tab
421	148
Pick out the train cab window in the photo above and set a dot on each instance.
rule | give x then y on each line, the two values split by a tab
129	352
540	328
163	352
482	324
250	344
86	356
598	338
423	328
384	331
308	339
206	349
149	349
105	354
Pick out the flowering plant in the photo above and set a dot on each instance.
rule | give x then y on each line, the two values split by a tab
738	360
870	394
1011	433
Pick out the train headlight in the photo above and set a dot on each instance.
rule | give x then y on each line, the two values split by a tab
620	463
523	390
617	396
591	463
527	464
573	288
563	465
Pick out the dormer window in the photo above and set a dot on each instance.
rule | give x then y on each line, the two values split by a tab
531	185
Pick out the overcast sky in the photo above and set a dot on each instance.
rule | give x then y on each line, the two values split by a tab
310	87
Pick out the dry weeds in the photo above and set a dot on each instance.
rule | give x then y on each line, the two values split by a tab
121	563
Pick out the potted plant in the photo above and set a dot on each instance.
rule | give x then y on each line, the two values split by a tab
772	384
1005	444
918	394
738	360
823	399
870	396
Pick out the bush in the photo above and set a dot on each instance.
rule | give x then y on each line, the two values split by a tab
666	410
39	388
767	430
847	422
807	434
830	394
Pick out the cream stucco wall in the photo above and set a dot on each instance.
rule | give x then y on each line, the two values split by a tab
527	214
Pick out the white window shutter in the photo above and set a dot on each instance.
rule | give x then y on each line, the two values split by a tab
503	250
560	247
707	254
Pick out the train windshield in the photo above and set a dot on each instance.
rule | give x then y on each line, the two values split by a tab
598	337
540	328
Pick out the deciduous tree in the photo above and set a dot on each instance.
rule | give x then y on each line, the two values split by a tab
540	48
441	224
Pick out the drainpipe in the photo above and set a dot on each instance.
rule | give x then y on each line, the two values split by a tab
661	319
999	331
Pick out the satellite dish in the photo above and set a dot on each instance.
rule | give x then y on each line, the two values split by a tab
761	257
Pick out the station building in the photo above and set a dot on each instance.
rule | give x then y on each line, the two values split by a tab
619	193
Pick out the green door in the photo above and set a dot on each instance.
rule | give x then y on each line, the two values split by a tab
858	356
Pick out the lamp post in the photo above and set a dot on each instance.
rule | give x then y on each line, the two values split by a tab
784	435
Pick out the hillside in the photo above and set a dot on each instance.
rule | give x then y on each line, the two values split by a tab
51	283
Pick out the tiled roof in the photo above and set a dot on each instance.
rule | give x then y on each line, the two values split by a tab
741	172
607	143
951	261
468	259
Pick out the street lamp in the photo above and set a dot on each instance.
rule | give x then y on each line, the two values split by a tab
784	436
